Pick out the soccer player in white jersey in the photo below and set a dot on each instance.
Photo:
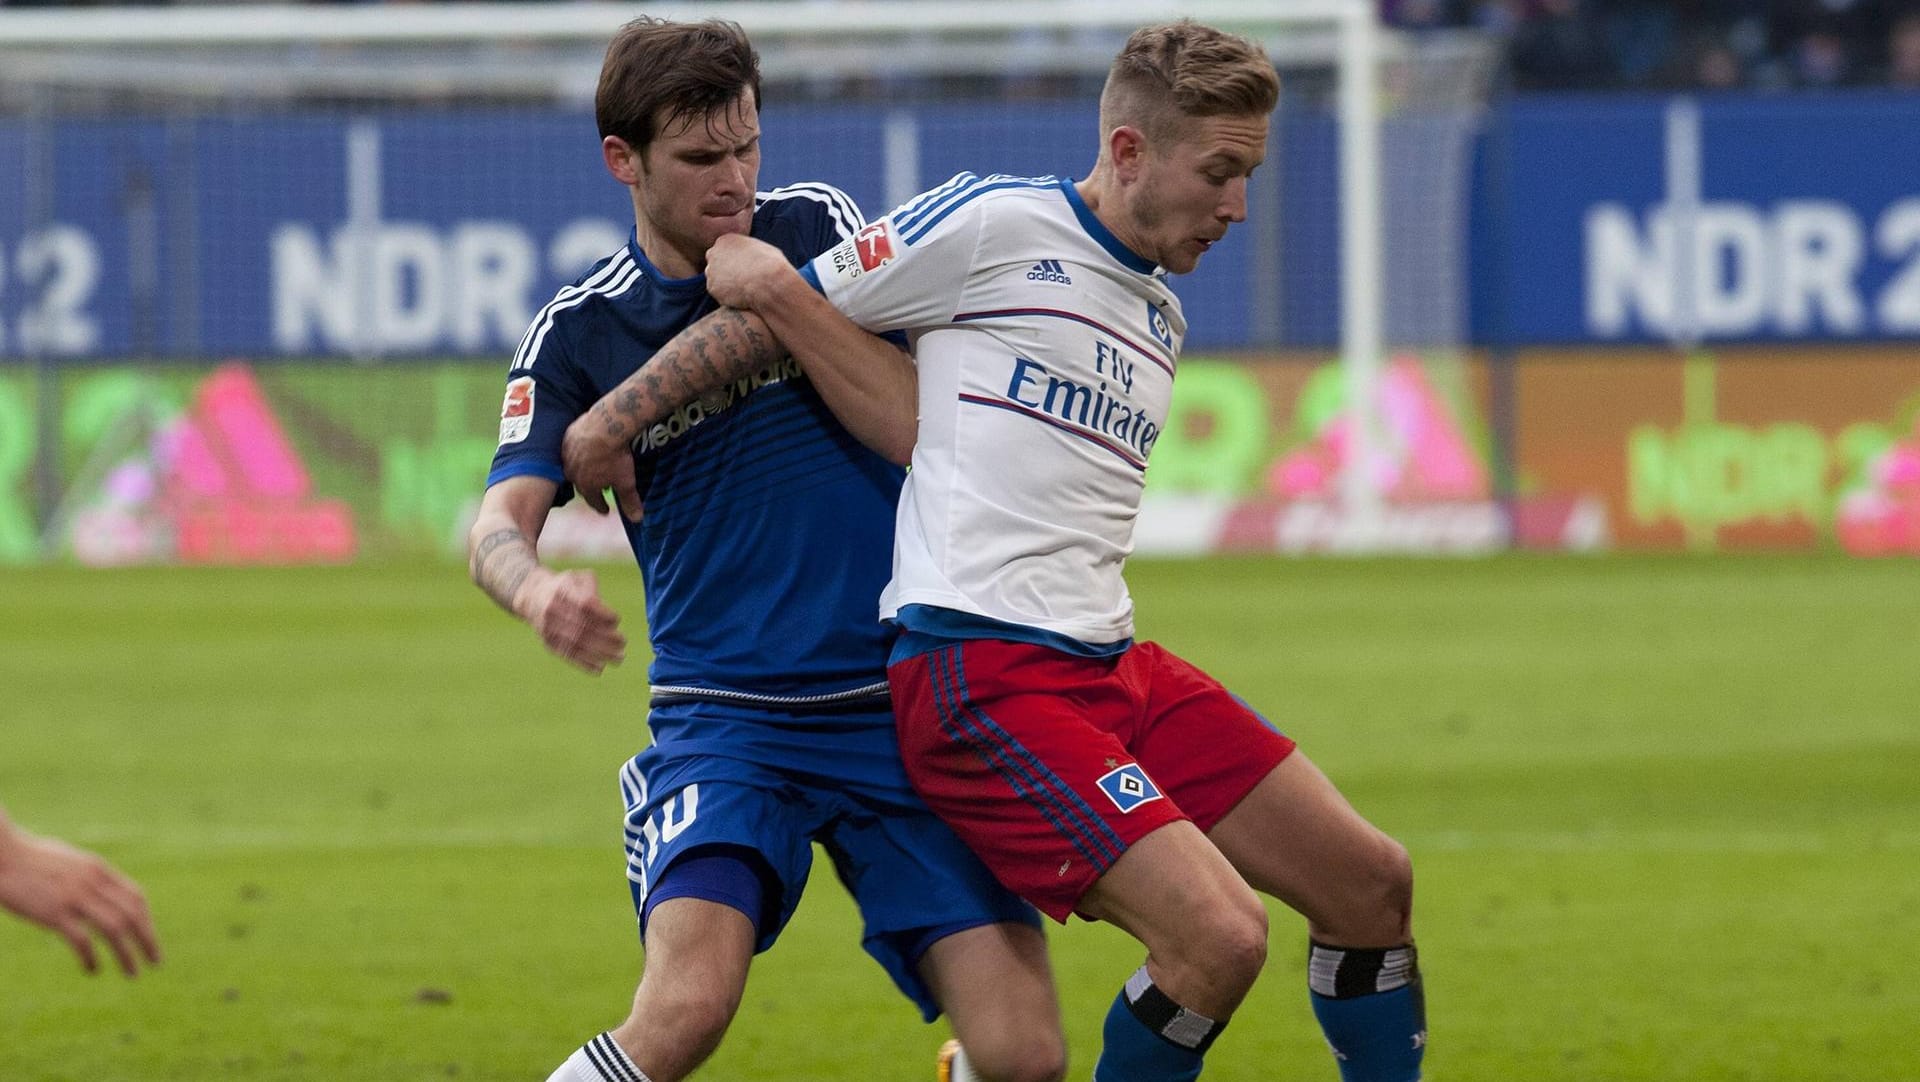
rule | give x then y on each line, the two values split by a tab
763	544
1094	774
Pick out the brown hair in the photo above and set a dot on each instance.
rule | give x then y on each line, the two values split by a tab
1185	69
658	72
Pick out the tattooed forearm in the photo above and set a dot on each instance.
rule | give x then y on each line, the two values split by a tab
628	408
702	366
725	346
763	346
501	563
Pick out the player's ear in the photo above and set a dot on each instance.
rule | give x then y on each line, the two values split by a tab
1127	146
622	160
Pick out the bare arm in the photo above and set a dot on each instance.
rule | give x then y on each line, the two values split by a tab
871	386
77	895
868	383
564	607
721	347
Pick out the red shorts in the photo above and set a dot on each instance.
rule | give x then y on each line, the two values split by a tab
1049	766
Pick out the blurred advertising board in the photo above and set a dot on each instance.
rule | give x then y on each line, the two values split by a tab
1599	221
1252	460
1755	447
1741	448
1722	218
1736	448
238	464
327	233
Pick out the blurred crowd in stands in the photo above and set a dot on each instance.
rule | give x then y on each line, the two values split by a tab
1688	44
1646	44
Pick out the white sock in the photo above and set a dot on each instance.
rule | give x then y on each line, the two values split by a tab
963	1068
599	1060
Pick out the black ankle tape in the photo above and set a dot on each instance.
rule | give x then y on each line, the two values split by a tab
1174	1023
1347	972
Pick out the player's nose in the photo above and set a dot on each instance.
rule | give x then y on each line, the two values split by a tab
733	177
1233	201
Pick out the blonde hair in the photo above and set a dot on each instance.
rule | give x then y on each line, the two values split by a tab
1176	71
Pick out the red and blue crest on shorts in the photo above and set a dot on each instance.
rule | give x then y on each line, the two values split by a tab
1128	787
1051	765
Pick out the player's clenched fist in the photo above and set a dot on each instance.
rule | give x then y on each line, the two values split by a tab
78	895
595	456
565	608
743	271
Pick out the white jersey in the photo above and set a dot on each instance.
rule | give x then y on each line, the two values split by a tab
1046	352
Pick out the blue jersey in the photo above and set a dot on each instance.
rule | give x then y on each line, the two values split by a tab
768	530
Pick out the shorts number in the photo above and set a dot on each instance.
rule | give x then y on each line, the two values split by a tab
674	816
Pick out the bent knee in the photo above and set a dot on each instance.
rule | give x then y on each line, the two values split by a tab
1241	949
1228	947
699	1018
1038	1057
1047	1070
1376	907
1390	881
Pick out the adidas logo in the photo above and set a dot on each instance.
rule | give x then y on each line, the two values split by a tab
1049	270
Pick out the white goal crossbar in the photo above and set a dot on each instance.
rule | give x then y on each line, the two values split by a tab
215	24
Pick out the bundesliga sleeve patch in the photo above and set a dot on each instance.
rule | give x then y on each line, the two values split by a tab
1128	787
516	412
875	245
869	250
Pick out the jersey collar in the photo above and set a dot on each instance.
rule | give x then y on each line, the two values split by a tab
1096	229
695	284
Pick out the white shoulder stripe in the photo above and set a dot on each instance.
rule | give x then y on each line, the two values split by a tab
841	223
846	216
840	198
537	333
913	206
567	296
929	213
619	275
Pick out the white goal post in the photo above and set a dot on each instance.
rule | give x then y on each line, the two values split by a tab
556	47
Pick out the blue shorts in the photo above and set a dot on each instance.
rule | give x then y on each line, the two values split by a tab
800	779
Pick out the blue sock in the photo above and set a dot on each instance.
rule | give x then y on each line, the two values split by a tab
1372	1009
1150	1038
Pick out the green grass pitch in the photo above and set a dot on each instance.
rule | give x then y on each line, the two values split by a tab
1665	816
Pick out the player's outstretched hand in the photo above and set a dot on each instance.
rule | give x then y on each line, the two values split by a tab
574	623
595	459
743	272
78	895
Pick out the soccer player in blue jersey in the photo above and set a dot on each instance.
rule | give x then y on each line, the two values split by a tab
1094	774
763	544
